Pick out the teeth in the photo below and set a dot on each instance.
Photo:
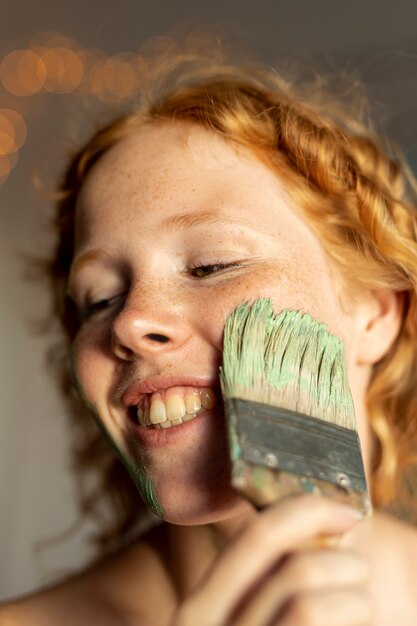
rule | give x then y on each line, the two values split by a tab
158	412
207	398
192	403
187	417
174	406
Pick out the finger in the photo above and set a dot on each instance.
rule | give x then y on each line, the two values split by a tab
335	608
311	569
299	574
275	532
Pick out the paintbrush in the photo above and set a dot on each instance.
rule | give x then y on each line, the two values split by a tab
289	410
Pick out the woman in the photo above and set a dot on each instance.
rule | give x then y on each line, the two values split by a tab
221	186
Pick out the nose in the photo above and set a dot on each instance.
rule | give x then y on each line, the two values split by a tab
140	331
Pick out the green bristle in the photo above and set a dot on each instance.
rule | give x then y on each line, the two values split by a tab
244	339
288	360
290	415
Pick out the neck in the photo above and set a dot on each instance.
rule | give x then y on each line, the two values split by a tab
194	548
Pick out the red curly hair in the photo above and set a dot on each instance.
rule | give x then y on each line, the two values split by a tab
357	197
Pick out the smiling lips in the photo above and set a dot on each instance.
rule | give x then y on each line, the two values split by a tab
173	406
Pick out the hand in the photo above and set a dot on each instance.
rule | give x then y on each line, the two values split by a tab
267	577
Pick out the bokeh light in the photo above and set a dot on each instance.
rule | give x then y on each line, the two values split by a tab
142	67
22	73
155	48
90	58
58	64
13	124
64	70
114	80
7	163
7	141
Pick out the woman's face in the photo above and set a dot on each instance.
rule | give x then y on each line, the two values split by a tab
175	227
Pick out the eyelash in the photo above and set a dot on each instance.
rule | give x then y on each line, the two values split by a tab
96	307
220	266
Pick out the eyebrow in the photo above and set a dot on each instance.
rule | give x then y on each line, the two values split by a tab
85	259
182	221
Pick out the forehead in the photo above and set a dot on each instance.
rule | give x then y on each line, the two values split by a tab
175	165
173	145
141	190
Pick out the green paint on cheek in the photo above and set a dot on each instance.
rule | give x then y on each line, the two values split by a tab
137	472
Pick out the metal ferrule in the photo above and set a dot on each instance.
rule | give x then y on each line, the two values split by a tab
296	443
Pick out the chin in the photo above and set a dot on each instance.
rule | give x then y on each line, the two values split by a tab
205	508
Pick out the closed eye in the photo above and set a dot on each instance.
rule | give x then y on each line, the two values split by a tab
94	308
201	270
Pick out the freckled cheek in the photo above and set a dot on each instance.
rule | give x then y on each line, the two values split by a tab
308	287
214	307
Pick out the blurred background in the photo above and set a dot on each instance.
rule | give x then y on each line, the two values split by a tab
66	66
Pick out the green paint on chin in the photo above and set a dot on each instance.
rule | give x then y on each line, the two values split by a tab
143	484
137	472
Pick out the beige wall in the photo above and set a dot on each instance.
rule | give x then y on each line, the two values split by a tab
37	498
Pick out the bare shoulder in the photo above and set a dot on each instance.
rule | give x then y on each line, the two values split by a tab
398	560
121	590
74	601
